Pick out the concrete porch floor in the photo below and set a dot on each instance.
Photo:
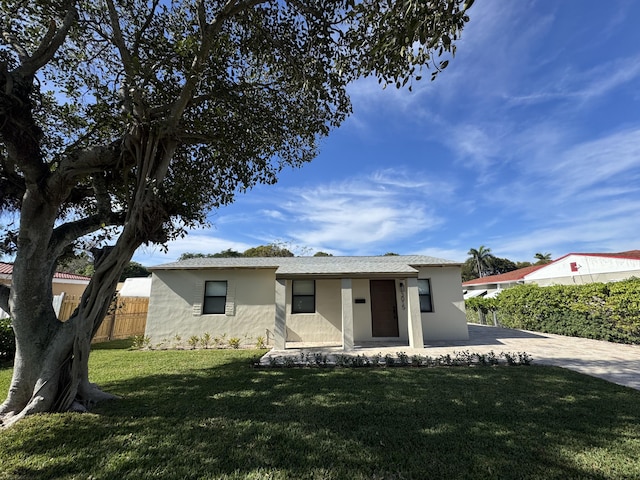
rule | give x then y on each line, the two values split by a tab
614	362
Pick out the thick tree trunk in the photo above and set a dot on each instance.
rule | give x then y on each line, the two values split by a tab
51	362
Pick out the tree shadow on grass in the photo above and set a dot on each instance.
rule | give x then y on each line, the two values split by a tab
232	421
122	344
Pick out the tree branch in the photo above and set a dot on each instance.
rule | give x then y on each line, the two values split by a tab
140	34
52	40
102	195
10	39
125	55
231	8
84	162
67	233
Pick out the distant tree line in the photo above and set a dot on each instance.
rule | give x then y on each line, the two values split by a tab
482	263
82	264
269	250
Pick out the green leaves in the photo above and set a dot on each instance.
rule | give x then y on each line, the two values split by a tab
242	91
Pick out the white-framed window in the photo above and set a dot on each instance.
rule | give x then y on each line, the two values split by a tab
215	297
424	290
303	296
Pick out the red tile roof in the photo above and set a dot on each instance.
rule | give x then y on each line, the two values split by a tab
7	269
70	276
512	276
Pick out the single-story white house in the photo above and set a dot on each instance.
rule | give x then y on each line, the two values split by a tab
570	269
344	300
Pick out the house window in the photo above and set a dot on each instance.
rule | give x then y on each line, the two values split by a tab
215	297
304	296
424	290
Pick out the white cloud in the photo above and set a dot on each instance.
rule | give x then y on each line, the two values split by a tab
275	214
359	216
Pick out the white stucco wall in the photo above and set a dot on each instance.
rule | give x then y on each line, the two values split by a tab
176	297
448	320
325	325
591	269
177	294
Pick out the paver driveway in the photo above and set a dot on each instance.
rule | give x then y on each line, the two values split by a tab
614	362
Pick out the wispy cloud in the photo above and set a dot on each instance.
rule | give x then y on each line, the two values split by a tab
571	84
358	216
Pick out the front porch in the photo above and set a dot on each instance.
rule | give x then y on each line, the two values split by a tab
355	312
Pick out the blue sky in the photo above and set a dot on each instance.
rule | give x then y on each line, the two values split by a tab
528	142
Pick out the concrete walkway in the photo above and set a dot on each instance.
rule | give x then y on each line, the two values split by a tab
614	362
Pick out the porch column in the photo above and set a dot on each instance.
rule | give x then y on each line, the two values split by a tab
347	314
413	314
280	328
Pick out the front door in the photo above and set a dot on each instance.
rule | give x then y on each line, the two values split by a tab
384	311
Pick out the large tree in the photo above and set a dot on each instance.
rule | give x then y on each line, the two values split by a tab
131	119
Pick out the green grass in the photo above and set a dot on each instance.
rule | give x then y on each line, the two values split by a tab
208	414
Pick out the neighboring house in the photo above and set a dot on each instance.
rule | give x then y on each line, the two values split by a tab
491	285
136	287
67	283
345	300
571	269
579	268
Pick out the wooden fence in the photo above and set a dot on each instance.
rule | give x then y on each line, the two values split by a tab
127	317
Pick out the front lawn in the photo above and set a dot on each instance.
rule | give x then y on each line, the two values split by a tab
208	414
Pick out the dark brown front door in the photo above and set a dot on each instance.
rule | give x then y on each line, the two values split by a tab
384	312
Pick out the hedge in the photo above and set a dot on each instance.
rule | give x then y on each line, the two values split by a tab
7	340
603	311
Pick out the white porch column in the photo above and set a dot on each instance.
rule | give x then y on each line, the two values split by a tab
347	314
280	328
413	314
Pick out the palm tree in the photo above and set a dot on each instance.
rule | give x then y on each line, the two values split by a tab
481	257
542	258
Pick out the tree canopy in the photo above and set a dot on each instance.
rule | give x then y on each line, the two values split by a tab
124	122
481	258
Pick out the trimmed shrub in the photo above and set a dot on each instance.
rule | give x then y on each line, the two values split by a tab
7	340
575	324
603	311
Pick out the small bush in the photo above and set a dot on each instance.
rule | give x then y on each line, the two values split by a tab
140	342
7	340
234	342
205	340
193	341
